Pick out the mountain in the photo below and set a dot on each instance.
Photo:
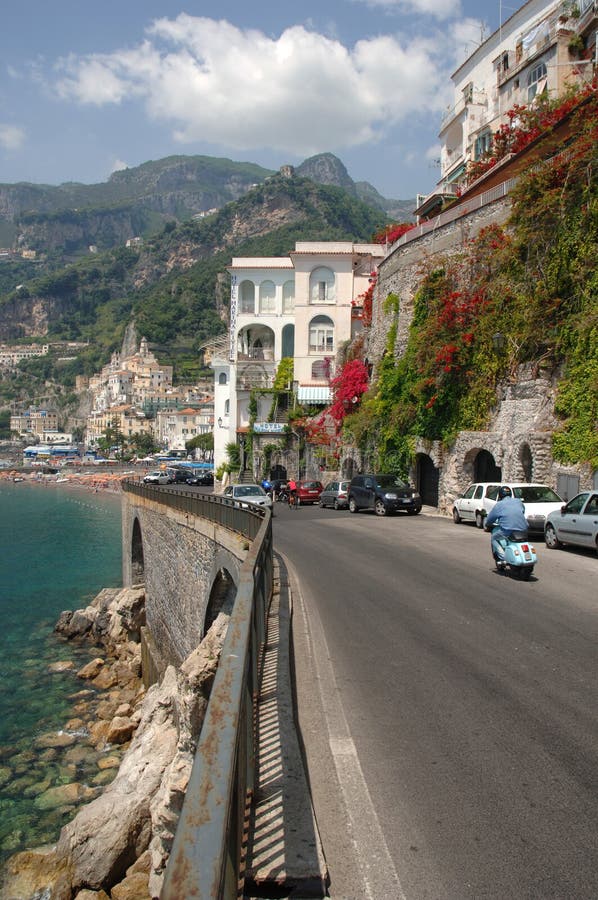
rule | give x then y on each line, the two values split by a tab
326	168
174	284
61	223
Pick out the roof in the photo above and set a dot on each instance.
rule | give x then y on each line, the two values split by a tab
260	262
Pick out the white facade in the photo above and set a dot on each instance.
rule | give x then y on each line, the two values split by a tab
529	56
174	427
297	307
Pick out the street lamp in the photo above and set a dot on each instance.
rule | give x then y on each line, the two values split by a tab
220	422
499	341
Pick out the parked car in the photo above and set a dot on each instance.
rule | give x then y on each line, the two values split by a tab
203	478
336	495
479	498
575	523
178	476
248	494
384	494
308	491
157	477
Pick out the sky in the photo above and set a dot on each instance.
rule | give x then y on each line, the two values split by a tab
88	88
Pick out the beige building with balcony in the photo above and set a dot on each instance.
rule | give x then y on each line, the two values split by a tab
297	307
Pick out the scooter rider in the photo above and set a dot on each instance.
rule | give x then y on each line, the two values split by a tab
508	514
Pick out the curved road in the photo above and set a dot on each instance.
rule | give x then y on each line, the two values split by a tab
449	714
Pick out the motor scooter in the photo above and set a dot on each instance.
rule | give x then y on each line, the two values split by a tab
520	556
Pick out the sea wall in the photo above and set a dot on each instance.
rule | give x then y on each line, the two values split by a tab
187	564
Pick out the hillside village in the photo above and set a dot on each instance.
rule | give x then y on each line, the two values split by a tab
301	325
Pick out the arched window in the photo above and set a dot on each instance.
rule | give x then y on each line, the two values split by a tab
321	335
320	369
536	81
247	297
226	407
321	286
267	297
288	297
222	379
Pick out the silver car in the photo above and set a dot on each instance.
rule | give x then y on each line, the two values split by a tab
336	495
575	523
157	478
247	494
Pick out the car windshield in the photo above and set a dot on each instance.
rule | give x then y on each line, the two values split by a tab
538	493
389	481
249	490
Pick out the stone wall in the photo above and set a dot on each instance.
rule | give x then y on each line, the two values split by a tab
401	272
185	561
519	436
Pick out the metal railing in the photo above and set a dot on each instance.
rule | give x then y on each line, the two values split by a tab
455	212
206	861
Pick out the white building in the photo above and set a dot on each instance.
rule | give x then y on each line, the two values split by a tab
297	307
174	427
539	51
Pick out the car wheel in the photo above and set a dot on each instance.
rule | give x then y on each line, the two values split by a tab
479	520
353	505
552	541
322	504
456	516
379	508
336	504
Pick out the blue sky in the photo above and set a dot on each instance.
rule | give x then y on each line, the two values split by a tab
87	88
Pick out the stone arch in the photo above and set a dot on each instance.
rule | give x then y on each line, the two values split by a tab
137	562
427	479
479	465
222	598
526	461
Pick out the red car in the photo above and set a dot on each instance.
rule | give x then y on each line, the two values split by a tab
309	491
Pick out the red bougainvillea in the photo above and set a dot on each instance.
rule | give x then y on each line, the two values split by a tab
348	386
392	233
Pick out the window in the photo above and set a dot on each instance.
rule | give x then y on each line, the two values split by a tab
321	335
536	81
321	286
483	144
288	297
247	297
321	369
227	407
267	297
222	378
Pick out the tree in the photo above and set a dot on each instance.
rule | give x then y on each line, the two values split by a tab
143	443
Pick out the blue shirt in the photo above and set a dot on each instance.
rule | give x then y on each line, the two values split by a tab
509	515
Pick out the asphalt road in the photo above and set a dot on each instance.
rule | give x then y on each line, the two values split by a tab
449	714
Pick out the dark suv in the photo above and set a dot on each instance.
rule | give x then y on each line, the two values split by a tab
384	494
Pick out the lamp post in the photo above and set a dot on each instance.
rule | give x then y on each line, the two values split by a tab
499	341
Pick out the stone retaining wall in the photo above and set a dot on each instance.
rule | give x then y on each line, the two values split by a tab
185	559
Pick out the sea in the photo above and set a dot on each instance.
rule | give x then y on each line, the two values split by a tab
59	546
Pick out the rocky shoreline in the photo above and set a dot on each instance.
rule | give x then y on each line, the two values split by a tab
141	743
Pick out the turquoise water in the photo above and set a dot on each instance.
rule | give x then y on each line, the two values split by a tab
59	546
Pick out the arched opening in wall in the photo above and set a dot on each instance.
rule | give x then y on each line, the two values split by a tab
427	477
348	468
137	564
485	468
288	341
527	462
222	599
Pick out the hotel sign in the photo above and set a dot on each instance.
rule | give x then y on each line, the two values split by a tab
234	303
269	427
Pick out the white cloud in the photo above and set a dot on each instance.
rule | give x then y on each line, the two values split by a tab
300	93
118	165
11	137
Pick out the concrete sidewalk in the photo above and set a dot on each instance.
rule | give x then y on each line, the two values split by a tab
284	853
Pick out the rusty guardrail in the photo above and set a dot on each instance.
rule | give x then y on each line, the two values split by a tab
206	861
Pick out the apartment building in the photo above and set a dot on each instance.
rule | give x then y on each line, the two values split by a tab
297	307
174	427
36	421
539	51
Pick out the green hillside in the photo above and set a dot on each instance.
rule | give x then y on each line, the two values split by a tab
169	285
